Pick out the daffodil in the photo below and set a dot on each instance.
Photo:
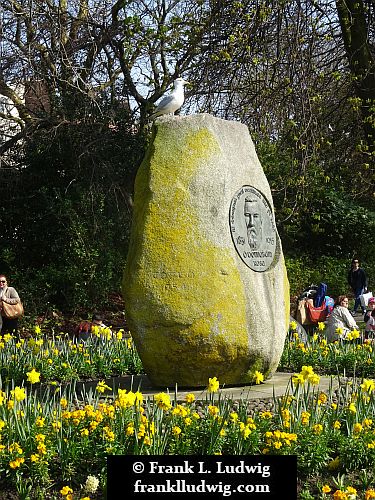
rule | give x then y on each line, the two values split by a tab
355	334
18	393
2	397
213	410
351	493
246	432
63	403
130	429
305	417
367	423
368	386
298	379
317	429
66	491
147	440
321	326
322	398
352	408
213	384
266	415
190	398
14	464
102	386
258	377
357	428
15	447
163	401
56	425
180	411
314	379
306	371
33	377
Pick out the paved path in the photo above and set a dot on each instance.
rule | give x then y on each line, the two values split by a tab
278	385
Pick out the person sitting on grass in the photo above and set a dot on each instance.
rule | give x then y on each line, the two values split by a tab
340	322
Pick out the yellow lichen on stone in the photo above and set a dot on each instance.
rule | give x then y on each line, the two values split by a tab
286	298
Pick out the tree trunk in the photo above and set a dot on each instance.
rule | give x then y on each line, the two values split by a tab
354	30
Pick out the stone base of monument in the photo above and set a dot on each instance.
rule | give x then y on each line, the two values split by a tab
205	286
277	386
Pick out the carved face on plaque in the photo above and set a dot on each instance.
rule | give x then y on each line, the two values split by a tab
253	228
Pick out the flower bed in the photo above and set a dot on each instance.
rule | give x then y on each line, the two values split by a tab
349	356
58	359
47	440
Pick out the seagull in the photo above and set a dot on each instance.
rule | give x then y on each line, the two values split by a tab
172	102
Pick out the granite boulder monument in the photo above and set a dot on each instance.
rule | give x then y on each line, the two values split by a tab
205	286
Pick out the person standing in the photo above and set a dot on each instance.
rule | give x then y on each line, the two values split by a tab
357	280
9	295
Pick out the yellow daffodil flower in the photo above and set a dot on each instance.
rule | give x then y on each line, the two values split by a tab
33	377
258	377
293	326
18	393
190	398
213	384
66	490
102	386
368	386
163	401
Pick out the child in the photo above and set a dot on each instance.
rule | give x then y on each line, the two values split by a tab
367	316
370	324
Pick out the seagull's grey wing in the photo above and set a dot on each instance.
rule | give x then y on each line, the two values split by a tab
166	101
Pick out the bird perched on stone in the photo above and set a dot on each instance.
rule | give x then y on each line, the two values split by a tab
172	102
